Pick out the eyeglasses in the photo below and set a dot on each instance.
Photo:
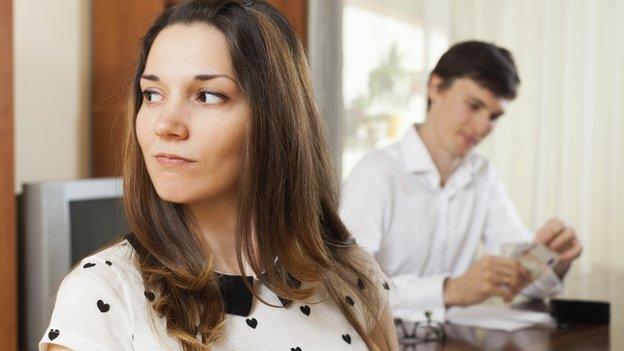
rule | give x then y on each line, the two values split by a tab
411	334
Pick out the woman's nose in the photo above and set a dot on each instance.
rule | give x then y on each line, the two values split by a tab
171	124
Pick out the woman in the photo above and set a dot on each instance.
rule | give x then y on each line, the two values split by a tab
226	175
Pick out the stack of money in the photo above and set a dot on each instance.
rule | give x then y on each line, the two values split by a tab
536	258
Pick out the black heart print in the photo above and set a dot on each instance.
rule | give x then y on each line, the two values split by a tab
109	263
360	284
350	300
252	322
347	338
149	295
386	286
295	348
305	309
53	333
88	265
104	307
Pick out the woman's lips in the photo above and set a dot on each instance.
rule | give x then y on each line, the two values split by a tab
169	160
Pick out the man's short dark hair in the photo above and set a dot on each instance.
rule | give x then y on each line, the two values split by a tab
491	66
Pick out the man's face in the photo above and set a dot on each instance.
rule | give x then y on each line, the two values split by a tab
462	114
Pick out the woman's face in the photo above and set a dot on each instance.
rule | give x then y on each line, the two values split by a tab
194	117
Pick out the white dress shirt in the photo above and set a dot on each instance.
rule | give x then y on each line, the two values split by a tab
421	233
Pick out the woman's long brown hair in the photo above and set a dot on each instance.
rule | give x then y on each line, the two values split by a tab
287	222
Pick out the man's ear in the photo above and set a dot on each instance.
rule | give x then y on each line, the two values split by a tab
434	87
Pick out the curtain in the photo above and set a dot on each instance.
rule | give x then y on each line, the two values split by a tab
560	147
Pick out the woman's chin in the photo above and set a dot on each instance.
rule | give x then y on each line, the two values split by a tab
175	195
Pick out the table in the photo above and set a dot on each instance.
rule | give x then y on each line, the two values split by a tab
599	283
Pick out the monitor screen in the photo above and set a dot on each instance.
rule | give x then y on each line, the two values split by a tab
61	222
94	223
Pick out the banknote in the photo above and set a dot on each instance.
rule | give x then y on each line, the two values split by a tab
536	258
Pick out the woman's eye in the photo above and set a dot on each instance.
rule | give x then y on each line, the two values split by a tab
209	98
151	96
474	107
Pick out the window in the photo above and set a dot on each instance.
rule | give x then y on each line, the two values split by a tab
387	54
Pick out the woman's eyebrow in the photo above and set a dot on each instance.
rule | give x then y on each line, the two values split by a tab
150	77
203	77
200	77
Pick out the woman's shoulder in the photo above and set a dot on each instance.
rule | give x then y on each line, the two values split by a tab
371	269
113	264
111	270
95	304
120	252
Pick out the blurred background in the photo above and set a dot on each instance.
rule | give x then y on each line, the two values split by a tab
559	149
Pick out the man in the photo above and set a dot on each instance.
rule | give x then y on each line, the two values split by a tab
424	205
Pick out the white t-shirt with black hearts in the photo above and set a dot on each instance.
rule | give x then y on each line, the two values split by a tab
102	305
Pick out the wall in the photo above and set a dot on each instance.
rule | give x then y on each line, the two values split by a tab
51	43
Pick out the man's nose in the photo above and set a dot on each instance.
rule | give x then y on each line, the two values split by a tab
483	125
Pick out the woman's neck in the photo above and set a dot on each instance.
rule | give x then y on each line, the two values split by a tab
216	219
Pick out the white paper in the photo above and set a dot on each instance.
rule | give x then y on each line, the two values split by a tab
498	318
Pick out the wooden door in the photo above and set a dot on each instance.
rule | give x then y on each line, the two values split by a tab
117	28
296	11
8	265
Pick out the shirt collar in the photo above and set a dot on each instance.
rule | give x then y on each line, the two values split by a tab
237	298
414	153
417	159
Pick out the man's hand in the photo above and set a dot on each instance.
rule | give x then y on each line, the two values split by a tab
489	276
562	239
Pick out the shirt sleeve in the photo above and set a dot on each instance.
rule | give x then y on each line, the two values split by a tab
411	296
91	310
364	205
503	225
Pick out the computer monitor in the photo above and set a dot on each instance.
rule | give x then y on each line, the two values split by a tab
60	223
